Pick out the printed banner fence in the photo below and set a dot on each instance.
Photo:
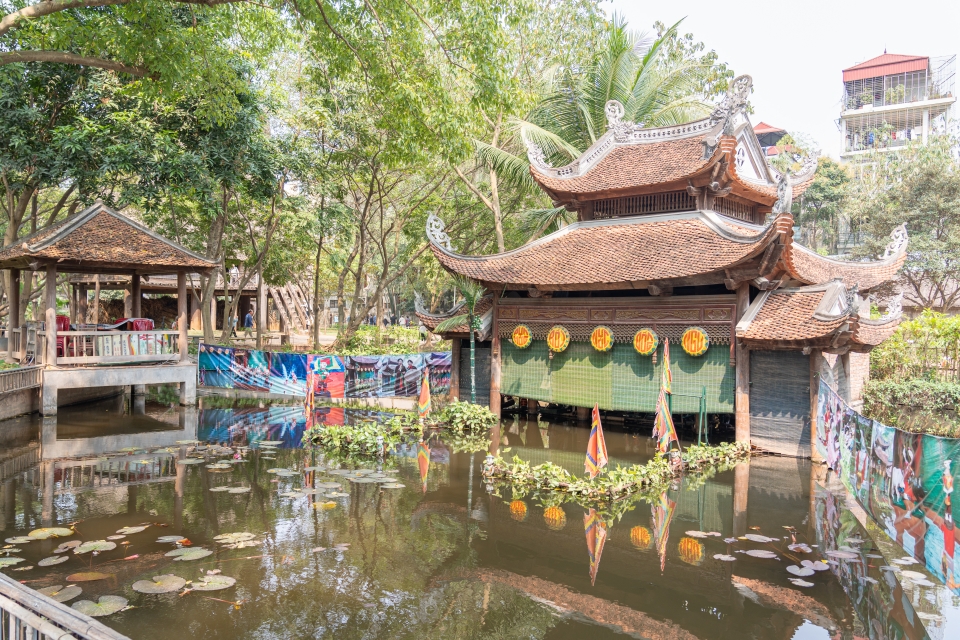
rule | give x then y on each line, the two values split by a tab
903	480
329	376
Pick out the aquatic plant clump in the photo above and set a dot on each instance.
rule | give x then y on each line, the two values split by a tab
619	482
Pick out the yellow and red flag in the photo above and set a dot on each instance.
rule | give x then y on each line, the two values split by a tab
423	462
596	447
596	532
666	382
423	402
663	428
662	513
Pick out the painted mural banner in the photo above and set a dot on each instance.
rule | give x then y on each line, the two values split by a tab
903	480
326	376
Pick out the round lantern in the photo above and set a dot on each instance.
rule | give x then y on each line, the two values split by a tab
558	339
645	342
640	537
695	341
518	510
555	518
521	336
602	339
691	551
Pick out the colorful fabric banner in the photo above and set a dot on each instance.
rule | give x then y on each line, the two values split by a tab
903	480
423	402
663	428
596	446
327	376
596	532
423	463
662	513
666	382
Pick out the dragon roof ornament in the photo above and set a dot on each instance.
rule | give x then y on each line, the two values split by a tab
733	104
436	232
622	129
535	154
898	241
787	179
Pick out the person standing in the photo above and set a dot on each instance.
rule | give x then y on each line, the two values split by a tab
248	324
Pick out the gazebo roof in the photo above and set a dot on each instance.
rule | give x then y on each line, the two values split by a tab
100	240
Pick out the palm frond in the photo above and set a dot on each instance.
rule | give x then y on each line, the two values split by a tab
471	290
452	323
511	169
537	221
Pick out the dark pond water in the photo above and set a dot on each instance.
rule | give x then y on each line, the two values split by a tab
440	556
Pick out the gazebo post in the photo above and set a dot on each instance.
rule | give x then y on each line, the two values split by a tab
188	392
96	301
13	312
50	316
82	303
261	311
135	306
742	372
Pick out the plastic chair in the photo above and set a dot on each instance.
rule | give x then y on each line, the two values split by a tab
63	324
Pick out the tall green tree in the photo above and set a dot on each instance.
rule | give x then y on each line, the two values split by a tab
820	208
472	291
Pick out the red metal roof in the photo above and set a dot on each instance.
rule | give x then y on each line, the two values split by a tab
763	127
885	65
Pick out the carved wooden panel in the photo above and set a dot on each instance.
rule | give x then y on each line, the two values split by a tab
718	314
507	312
601	315
658	314
553	314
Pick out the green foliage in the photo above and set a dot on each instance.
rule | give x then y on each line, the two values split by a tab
375	341
359	440
820	208
920	406
464	417
917	349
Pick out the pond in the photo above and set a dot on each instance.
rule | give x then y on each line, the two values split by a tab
418	545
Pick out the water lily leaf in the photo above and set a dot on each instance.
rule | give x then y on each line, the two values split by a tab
819	565
166	539
188	442
853	540
755	537
61	594
20	540
801	583
338	472
66	546
724	557
393	486
362	480
9	562
106	606
237	461
126	531
190	461
761	553
268	458
337	494
53	532
292	494
88	576
730	540
870	580
219	466
324	505
10	550
799	548
314	468
696	534
190	553
116	537
166	583
328	485
844	555
924	583
913	575
239	490
905	560
219	489
95	545
875	556
271	442
800	571
214	583
52	560
229	538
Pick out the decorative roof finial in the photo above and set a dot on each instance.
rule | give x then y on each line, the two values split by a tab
418	304
852	294
535	154
436	232
894	307
621	128
898	241
784	201
732	104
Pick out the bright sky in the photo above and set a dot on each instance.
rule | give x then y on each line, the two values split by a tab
795	51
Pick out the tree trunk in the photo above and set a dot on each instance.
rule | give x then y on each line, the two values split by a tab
316	296
497	218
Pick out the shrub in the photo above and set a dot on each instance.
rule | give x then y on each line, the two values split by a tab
466	417
921	406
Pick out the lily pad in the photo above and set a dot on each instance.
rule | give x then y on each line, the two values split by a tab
800	571
761	553
819	565
166	583
126	531
9	562
53	532
799	548
190	461
166	539
913	575
88	576
239	490
190	553
188	442
844	555
230	538
106	606
696	534
219	489
20	540
905	560
219	466
292	494
730	540
214	583
95	545
60	593
324	505
756	537
801	583
723	557
52	560
924	583
362	480
10	550
66	546
271	442
337	494
328	485
313	468
116	537
395	485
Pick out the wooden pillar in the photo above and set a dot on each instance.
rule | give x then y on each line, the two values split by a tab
815	358
495	357
137	299
741	491
96	301
455	369
13	313
261	311
50	316
182	315
742	397
127	302
74	302
82	304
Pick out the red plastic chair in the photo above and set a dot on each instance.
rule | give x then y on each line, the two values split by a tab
63	324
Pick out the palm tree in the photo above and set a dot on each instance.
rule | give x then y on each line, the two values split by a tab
654	88
472	291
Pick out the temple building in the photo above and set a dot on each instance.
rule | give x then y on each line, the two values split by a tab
684	235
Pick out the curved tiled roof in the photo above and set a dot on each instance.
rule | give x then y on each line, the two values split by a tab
100	237
807	266
430	320
791	315
621	251
873	332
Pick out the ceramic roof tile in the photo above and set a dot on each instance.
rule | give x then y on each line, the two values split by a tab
811	268
430	321
788	316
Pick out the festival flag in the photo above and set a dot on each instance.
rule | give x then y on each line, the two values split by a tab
663	428
423	461
662	514
423	403
596	532
596	447
666	382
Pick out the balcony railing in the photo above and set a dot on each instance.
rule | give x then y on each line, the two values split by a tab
112	347
22	378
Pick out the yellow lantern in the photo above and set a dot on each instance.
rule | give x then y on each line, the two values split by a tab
646	342
640	537
691	551
602	339
555	517
521	336
558	339
518	510
695	341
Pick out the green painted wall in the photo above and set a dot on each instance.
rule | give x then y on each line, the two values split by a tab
619	379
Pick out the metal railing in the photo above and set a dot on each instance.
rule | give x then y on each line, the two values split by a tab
22	378
26	614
